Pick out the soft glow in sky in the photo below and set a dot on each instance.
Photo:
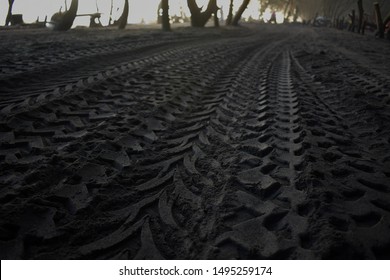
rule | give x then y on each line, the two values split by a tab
145	10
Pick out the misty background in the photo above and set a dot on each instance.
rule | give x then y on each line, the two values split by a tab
141	11
145	11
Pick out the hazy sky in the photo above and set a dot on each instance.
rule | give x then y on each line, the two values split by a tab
139	9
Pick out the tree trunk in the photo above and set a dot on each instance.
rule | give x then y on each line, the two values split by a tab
379	21
339	23
352	16
230	15
195	13
286	10
240	11
166	26
9	14
385	23
216	19
199	18
66	20
97	6
111	8
296	14
361	15
122	21
387	20
364	26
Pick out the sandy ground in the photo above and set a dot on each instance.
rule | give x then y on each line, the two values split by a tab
261	142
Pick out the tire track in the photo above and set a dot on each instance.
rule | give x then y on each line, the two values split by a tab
215	148
354	172
260	213
61	121
190	212
95	155
178	159
43	92
46	51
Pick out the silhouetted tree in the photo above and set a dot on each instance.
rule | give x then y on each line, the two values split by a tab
334	9
296	14
166	26
309	8
287	10
379	21
230	15
240	11
386	22
216	19
387	19
352	16
94	20
274	4
122	21
199	18
9	14
361	16
111	8
64	21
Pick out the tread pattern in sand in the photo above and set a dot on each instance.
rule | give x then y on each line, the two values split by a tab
233	146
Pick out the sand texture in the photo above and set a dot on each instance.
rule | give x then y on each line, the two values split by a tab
259	142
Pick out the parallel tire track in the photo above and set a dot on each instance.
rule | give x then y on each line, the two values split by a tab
77	118
337	136
214	148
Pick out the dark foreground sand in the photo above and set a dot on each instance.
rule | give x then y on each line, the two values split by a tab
259	142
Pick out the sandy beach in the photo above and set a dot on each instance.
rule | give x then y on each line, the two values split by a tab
257	142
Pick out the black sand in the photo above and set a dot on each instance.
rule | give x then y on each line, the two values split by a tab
263	142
